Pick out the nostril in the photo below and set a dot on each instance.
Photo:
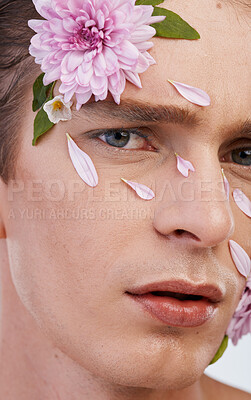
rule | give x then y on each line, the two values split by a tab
182	232
179	231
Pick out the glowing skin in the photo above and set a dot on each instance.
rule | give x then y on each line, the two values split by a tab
68	331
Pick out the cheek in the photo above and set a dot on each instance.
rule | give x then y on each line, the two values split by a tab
61	251
61	230
242	232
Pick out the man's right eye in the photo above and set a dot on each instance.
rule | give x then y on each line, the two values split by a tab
129	139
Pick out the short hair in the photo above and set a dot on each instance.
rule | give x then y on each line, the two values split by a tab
16	74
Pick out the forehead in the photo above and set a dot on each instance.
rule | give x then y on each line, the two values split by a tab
219	62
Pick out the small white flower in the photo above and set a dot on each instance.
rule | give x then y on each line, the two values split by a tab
57	110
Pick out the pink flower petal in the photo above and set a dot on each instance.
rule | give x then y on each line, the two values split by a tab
82	98
52	76
44	8
192	94
71	61
142	34
240	257
158	18
142	15
226	184
69	24
36	25
144	46
143	191
240	323
242	202
82	163
83	78
134	78
184	166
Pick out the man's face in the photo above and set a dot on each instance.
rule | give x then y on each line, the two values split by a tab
75	250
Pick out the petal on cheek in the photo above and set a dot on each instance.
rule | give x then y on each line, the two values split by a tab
240	257
192	94
242	202
226	184
82	163
142	191
184	166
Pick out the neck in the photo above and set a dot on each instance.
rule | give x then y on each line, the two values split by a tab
31	366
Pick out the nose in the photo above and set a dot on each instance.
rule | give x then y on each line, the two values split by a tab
199	213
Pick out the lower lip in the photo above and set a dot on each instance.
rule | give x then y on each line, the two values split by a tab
174	312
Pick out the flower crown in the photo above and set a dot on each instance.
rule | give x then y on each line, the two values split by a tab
93	47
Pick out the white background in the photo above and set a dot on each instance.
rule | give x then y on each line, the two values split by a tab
234	367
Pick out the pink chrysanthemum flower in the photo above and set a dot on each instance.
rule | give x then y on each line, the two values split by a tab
240	323
92	46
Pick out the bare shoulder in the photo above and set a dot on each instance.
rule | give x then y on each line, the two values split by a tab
218	390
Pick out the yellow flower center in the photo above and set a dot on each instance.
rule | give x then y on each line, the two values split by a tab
57	105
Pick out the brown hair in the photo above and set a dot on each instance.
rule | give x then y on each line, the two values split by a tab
16	74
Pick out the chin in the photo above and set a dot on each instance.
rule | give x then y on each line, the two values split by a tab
169	368
163	378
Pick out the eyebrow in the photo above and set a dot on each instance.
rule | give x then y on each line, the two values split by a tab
142	112
245	4
135	111
240	128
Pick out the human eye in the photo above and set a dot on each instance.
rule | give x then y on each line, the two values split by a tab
241	155
237	157
124	139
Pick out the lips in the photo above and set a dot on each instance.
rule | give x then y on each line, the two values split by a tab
179	296
178	303
180	288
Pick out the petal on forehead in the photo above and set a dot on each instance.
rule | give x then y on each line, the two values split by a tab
194	95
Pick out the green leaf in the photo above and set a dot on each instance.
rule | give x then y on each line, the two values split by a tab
41	125
40	92
148	2
221	350
173	26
